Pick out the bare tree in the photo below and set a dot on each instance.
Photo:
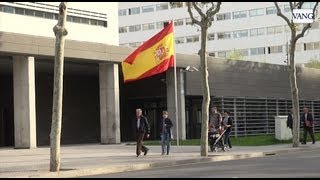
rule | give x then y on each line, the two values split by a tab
292	68
204	23
55	135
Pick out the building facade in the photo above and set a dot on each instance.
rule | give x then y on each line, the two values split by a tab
99	108
248	30
91	22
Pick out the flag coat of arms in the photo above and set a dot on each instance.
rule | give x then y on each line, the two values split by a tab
153	57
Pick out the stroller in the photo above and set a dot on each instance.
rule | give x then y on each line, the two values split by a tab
216	140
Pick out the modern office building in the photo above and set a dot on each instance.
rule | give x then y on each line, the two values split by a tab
98	107
247	30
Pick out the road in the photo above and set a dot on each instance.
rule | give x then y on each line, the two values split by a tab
294	165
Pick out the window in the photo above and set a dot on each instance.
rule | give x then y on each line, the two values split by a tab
123	29
162	6
176	4
39	14
178	22
287	8
135	28
161	24
93	22
188	21
191	39
257	51
222	54
8	9
179	40
257	32
271	10
135	44
256	12
239	14
224	35
211	37
133	11
274	49
77	19
122	12
274	30
239	34
299	47
49	15
212	54
311	46
146	9
149	26
29	12
19	11
223	16
84	20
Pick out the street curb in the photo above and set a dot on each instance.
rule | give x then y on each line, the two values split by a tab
132	167
143	166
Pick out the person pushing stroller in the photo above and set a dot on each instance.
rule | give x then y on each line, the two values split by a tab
216	130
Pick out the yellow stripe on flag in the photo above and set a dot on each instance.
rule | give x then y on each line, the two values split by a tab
147	60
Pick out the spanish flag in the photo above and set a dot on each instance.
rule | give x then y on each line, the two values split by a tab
153	57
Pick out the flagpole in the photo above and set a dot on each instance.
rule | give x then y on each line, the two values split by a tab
175	88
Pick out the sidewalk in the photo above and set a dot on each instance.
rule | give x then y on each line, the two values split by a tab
91	159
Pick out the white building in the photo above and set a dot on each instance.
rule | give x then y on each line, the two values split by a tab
92	22
251	28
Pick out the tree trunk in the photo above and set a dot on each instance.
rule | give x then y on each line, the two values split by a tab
294	92
205	91
60	33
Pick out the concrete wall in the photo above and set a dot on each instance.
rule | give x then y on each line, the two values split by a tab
243	78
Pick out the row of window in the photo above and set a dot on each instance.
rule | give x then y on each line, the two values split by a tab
268	50
219	16
49	15
246	52
223	35
150	8
56	8
187	21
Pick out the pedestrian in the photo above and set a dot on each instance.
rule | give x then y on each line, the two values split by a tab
215	119
227	122
307	120
142	131
290	120
165	132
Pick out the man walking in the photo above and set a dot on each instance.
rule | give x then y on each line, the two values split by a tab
142	129
307	120
290	120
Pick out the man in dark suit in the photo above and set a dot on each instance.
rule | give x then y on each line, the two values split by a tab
142	130
307	121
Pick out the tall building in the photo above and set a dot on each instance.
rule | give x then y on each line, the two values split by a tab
248	30
91	22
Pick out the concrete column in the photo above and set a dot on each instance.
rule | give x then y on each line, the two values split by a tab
109	103
24	102
181	102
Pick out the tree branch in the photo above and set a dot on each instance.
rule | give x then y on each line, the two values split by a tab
216	10
194	20
305	28
279	13
198	10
